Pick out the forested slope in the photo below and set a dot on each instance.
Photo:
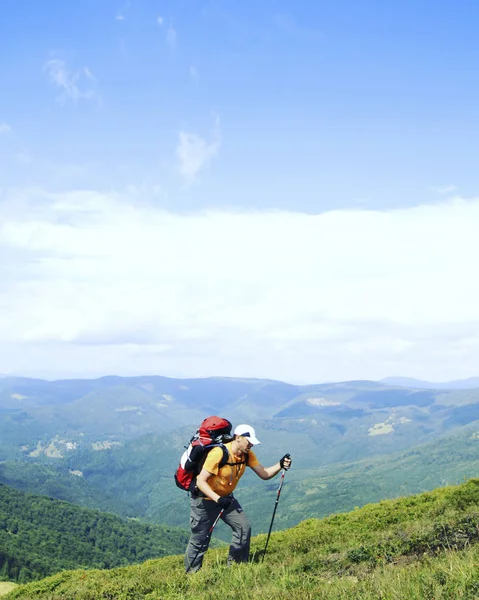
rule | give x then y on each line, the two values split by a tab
40	536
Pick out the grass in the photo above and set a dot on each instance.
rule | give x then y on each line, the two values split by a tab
6	586
420	547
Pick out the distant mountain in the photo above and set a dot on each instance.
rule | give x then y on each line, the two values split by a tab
71	413
410	382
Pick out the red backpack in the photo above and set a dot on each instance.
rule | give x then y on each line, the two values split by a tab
213	432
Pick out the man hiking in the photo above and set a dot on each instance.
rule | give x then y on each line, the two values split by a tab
215	486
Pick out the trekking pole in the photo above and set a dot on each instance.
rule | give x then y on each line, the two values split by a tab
207	541
274	511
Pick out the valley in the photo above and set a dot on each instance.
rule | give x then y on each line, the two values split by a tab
113	444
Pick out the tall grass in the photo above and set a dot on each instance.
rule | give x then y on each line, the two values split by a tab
421	547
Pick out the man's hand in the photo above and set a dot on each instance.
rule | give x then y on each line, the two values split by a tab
285	462
225	502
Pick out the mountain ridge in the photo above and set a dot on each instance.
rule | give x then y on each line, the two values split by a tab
411	382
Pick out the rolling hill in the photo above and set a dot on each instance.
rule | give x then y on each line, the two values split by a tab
345	421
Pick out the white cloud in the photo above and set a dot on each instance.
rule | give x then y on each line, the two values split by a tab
444	189
194	152
72	85
91	283
5	128
120	17
160	20
171	37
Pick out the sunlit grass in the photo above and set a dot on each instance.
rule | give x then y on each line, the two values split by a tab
6	586
417	548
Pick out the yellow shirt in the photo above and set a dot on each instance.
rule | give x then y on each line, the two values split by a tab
223	481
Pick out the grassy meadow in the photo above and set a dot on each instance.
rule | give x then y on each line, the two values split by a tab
420	547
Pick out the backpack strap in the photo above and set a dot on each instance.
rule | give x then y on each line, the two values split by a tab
225	457
224	461
232	464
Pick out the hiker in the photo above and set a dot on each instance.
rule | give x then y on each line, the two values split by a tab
214	493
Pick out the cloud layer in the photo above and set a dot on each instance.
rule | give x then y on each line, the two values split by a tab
92	284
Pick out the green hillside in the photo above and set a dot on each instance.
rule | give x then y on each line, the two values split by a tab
420	547
136	480
57	481
40	536
342	487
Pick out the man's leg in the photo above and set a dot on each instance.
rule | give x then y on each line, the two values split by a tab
202	516
240	541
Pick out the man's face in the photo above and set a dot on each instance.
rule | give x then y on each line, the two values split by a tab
244	444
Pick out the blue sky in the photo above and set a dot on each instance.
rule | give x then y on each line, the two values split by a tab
283	126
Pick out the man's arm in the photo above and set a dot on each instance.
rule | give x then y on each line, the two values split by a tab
269	472
204	486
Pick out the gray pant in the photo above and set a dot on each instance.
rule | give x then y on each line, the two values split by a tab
202	516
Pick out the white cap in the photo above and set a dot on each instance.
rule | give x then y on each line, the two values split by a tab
248	432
